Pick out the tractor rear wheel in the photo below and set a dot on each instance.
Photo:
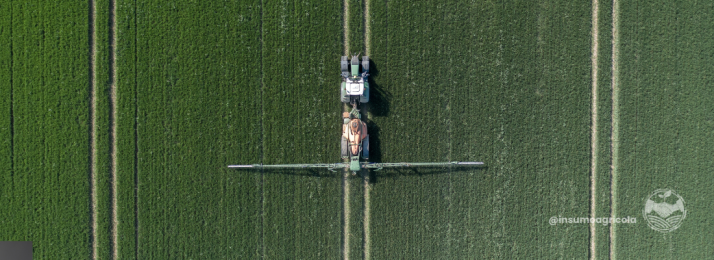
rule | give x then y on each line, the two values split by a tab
343	148
365	148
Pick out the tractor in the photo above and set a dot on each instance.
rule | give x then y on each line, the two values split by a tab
354	87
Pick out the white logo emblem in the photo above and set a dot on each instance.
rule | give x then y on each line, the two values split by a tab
664	212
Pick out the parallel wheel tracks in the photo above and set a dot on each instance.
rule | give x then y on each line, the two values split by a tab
347	210
94	92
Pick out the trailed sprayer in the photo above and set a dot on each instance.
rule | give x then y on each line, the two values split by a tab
354	143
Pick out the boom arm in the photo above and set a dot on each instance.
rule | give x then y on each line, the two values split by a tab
365	165
379	166
329	166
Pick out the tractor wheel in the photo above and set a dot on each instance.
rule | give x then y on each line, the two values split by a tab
364	98
343	148
365	63
365	148
344	64
343	93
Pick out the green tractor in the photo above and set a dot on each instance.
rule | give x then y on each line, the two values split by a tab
355	88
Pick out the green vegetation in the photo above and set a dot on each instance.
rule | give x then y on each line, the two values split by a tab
102	130
603	119
356	26
127	126
45	188
6	151
198	105
666	123
204	84
301	124
506	88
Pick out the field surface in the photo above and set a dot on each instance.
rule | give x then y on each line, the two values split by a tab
118	118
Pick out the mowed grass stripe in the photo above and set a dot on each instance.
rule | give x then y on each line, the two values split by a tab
666	124
46	196
198	79
302	124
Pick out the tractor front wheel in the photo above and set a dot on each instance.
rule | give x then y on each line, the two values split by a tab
365	63
344	64
343	93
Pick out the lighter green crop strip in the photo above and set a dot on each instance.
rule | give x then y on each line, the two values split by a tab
366	27
345	21
115	210
365	222
615	138
593	137
93	127
346	203
347	212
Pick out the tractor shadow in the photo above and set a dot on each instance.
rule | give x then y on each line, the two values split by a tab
319	173
379	98
378	106
395	173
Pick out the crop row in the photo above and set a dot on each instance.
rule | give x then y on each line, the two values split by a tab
504	84
217	84
665	124
44	137
205	84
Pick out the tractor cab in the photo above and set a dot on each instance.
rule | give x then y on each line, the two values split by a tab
355	86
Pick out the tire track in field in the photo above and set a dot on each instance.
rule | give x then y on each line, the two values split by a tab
346	209
345	177
366	213
593	137
615	138
93	126
136	134
114	126
262	248
346	24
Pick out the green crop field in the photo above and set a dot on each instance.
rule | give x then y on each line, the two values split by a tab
45	189
118	119
507	89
